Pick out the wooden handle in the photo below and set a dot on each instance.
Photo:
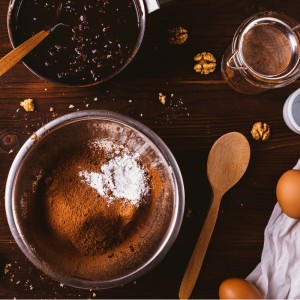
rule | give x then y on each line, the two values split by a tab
10	59
194	266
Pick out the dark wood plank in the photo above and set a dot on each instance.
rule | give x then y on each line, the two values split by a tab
204	108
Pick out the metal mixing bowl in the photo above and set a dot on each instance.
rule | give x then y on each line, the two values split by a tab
40	152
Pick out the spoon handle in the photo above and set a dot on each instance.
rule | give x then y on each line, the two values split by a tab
194	266
14	56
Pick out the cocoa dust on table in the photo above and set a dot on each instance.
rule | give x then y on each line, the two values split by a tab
95	238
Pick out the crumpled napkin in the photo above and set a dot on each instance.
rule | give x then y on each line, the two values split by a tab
278	273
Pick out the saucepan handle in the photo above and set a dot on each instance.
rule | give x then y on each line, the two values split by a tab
153	5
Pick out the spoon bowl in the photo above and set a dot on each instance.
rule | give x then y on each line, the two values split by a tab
227	162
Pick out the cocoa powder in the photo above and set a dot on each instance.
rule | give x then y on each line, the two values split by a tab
78	215
78	233
267	50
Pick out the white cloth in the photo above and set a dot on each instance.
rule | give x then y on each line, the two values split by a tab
277	276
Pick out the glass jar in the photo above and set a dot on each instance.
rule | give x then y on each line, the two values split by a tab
264	54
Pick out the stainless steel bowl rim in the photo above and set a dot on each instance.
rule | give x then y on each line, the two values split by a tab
105	115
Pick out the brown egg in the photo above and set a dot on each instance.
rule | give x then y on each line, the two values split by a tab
236	288
288	193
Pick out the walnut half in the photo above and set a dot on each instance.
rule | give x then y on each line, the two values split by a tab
206	63
177	35
260	131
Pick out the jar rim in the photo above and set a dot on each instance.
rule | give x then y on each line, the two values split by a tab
283	23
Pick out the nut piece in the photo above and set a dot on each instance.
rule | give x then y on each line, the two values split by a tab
177	35
28	104
162	98
206	63
260	131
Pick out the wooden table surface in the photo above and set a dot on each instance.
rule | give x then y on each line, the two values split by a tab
201	110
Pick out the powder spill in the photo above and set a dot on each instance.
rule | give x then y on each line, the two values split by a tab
121	177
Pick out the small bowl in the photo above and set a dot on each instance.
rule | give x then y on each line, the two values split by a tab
37	156
291	111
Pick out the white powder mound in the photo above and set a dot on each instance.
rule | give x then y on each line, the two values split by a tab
120	177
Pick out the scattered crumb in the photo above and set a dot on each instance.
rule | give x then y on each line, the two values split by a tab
71	106
34	136
28	104
130	101
10	151
162	98
18	110
141	115
77	109
18	282
7	268
51	108
87	105
61	285
94	295
188	213
31	287
172	95
172	110
96	99
46	89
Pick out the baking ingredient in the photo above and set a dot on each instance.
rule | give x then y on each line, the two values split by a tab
236	288
267	49
95	211
28	104
98	40
121	177
288	193
260	131
7	268
177	35
205	63
97	238
162	98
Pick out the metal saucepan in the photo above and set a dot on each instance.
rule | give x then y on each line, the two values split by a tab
142	8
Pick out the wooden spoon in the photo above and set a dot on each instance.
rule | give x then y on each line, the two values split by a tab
227	162
14	56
